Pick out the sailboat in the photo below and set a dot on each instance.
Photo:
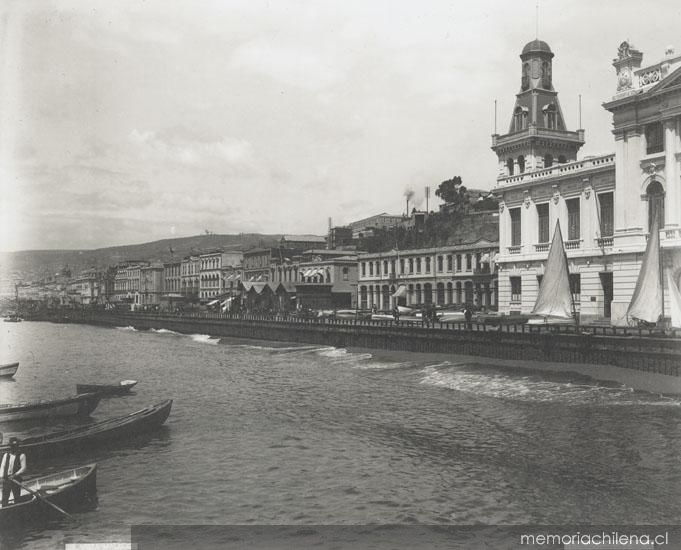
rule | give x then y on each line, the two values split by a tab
555	304
647	303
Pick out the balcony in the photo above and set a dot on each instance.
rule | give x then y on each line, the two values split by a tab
670	237
542	247
573	244
515	249
604	242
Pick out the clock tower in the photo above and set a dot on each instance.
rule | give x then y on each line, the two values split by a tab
537	137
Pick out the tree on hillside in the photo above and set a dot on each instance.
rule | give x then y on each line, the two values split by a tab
455	195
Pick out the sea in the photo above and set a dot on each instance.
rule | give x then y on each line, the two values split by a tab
335	444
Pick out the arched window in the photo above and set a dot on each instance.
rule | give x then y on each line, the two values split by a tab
459	297
548	160
520	118
418	293
440	293
450	297
509	166
525	82
521	164
546	75
655	194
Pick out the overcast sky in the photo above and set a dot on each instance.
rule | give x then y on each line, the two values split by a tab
129	121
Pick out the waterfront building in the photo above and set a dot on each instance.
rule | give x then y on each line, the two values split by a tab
87	289
257	262
452	275
319	279
339	237
151	285
646	109
604	203
127	282
211	264
541	182
172	277
190	277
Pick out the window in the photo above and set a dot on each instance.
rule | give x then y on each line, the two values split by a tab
440	293
458	262
378	267
449	262
575	286
392	267
401	266
521	164
346	271
440	264
418	265
411	265
573	219
509	166
371	269
385	267
654	138
543	222
550	116
562	159
427	265
520	118
607	212
548	160
516	286
515	226
469	262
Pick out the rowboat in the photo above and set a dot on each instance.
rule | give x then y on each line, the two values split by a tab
71	490
101	433
80	405
8	369
123	387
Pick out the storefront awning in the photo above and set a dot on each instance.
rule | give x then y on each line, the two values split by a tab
401	292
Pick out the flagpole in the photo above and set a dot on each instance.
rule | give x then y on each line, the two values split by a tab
660	262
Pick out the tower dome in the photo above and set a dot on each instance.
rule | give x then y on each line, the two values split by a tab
536	46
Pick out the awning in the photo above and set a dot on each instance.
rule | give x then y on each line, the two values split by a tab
401	292
213	302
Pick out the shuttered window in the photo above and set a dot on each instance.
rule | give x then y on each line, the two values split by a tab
573	219
543	222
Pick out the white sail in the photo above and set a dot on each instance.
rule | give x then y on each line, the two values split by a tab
555	298
674	300
646	303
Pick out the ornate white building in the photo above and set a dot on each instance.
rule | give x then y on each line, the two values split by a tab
605	203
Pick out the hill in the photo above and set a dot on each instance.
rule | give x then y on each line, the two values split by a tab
30	265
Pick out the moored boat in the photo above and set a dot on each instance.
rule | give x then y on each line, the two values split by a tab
93	435
8	369
123	387
79	405
70	490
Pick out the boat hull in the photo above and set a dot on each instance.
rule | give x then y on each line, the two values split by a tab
80	405
8	370
95	435
70	490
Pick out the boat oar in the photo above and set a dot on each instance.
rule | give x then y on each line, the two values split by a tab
42	498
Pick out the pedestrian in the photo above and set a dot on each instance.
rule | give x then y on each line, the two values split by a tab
396	315
468	315
13	465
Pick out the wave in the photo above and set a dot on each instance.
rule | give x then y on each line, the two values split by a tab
130	328
534	388
164	331
205	339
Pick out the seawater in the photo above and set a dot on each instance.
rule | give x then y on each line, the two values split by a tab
274	433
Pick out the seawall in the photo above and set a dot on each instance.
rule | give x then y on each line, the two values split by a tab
645	362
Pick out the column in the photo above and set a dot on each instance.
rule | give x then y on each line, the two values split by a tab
671	210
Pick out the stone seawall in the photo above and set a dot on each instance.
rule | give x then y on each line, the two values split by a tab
655	355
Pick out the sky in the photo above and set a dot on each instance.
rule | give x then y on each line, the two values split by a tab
131	121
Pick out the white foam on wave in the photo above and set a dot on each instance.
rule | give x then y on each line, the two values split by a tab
536	389
205	339
130	328
165	331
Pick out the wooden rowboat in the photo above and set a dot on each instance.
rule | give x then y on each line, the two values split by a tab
103	433
8	369
79	405
71	490
123	387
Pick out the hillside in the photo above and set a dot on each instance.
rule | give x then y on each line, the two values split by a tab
33	264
